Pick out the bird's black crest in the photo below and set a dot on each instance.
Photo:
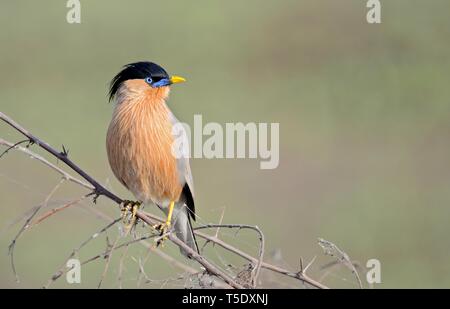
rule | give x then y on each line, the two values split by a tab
137	70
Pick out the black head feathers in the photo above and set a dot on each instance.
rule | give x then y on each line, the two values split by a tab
137	70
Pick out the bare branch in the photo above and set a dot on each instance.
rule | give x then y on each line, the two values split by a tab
240	227
44	161
108	260
55	210
332	250
277	269
99	190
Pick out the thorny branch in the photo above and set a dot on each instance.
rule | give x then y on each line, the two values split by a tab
332	250
98	190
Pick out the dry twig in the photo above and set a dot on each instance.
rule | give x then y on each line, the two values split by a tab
332	250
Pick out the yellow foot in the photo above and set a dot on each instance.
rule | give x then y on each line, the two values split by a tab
129	210
164	228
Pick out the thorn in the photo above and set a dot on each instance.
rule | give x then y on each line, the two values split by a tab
95	195
65	151
301	265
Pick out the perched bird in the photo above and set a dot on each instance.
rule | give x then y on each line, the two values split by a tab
139	146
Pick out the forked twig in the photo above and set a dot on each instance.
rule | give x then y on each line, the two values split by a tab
257	269
108	260
332	250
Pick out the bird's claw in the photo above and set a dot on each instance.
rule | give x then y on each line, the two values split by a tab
162	229
129	210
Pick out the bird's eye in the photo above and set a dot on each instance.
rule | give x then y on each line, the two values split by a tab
148	80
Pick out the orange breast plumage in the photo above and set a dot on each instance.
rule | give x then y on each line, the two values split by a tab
139	143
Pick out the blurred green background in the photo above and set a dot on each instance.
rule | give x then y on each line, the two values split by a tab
364	122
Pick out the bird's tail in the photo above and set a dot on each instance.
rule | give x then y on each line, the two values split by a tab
183	228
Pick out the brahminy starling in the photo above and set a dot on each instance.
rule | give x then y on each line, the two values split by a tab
140	147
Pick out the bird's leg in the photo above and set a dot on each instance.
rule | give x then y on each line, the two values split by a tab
129	206
164	227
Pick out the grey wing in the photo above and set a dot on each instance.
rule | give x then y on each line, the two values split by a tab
183	166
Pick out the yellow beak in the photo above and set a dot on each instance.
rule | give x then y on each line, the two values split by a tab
177	79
